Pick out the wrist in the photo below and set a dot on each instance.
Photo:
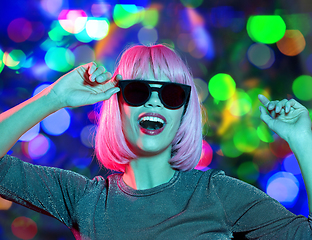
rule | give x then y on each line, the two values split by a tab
52	101
299	142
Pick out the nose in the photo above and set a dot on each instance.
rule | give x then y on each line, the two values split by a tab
154	101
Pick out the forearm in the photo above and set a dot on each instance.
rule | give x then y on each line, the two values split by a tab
302	149
16	121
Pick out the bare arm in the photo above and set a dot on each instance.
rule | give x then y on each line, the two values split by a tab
16	121
291	121
84	85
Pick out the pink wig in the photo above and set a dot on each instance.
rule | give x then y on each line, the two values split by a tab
111	146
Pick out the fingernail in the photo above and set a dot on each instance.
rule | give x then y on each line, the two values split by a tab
116	90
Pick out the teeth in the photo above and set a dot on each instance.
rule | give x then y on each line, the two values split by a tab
152	119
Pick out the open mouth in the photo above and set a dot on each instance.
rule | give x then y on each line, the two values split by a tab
151	123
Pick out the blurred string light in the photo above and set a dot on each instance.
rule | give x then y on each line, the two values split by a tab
14	59
279	147
290	164
229	149
51	6
2	64
100	9
246	139
72	21
191	3
19	30
57	123
127	15
292	43
239	104
85	29
57	32
264	133
266	29
302	86
284	187
299	21
97	28
248	172
37	147
31	133
147	35
199	42
151	18
40	88
24	228
222	86
206	156
264	159
261	55
83	54
59	59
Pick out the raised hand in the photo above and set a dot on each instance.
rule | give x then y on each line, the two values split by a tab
288	118
86	84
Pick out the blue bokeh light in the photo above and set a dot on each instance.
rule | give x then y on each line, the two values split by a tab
57	123
284	187
290	164
31	133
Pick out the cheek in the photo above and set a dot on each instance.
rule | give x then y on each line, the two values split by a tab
126	113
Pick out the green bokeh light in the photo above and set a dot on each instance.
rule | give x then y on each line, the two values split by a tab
246	139
266	29
240	103
302	87
228	149
59	59
310	111
57	32
150	19
264	133
16	58
222	86
299	21
83	36
191	3
126	15
1	61
248	172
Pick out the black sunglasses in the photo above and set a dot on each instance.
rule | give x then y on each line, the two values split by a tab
138	92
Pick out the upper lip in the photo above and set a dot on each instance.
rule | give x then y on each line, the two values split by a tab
152	115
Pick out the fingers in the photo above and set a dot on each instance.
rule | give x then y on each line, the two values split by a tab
98	97
263	100
280	107
98	74
265	117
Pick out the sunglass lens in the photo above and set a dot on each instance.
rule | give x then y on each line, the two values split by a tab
173	95
136	93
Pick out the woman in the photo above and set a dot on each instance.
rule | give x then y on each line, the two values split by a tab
151	132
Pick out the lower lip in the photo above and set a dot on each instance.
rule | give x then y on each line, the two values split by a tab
151	132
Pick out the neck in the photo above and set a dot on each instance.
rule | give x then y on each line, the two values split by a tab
148	172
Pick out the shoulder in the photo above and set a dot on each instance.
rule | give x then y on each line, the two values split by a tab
205	176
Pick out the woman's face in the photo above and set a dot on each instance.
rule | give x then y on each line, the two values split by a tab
138	123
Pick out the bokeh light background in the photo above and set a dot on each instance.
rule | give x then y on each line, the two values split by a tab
236	50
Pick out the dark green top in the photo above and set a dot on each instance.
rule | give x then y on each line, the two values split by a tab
192	205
